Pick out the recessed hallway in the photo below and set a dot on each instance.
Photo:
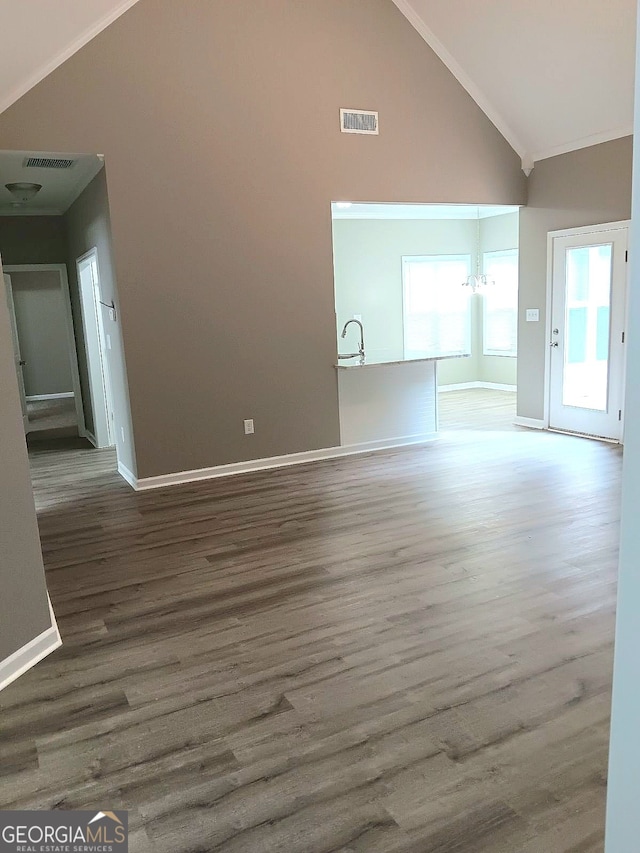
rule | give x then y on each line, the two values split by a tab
405	651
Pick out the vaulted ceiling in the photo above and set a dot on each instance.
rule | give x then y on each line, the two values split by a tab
552	76
38	35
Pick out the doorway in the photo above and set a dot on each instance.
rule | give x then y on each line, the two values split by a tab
587	329
44	349
96	342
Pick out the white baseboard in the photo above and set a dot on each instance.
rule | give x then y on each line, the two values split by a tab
30	654
229	470
39	398
128	476
531	423
465	386
84	433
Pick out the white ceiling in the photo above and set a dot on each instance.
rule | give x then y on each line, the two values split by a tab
60	187
418	211
38	35
552	75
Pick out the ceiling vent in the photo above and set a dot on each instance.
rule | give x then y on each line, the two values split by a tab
48	162
359	121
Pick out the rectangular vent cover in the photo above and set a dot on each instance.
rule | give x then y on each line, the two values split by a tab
49	162
359	121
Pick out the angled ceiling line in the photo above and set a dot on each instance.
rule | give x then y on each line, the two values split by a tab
466	82
584	142
65	54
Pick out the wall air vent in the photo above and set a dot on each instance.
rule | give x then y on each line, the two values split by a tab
359	121
48	163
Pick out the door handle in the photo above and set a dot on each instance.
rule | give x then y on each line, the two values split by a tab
553	344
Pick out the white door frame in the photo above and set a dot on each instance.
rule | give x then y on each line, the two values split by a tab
16	349
97	358
61	269
571	232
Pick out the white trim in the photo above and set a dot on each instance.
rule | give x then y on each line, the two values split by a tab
126	475
75	46
551	235
591	229
465	81
531	423
100	393
270	462
584	142
491	386
41	398
30	654
89	436
61	269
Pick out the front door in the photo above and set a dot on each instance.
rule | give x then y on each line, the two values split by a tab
16	351
587	332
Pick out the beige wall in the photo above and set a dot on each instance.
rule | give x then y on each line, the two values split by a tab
32	240
88	227
585	187
41	321
219	123
24	611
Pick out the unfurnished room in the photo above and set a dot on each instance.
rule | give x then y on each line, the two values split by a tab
320	379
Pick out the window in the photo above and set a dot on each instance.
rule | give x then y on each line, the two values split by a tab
500	303
436	308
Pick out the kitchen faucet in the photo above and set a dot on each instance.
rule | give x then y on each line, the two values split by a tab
360	347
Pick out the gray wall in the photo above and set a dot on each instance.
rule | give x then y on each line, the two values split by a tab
42	331
585	187
219	123
88	227
32	240
24	611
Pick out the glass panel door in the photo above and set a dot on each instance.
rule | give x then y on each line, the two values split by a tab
585	380
589	274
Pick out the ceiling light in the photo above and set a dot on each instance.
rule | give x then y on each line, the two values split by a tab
23	191
343	205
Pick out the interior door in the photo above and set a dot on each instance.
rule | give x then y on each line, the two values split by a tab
587	332
16	350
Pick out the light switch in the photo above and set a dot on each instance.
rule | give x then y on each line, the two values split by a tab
108	341
533	315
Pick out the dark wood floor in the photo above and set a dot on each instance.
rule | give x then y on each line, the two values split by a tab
405	651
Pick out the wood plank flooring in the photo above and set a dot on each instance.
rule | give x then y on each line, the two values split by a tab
403	652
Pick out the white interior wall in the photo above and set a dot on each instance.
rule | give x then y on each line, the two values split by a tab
623	817
497	233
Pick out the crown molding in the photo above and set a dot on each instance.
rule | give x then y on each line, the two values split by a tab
465	81
584	142
61	57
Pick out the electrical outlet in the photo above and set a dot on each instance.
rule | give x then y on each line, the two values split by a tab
248	426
